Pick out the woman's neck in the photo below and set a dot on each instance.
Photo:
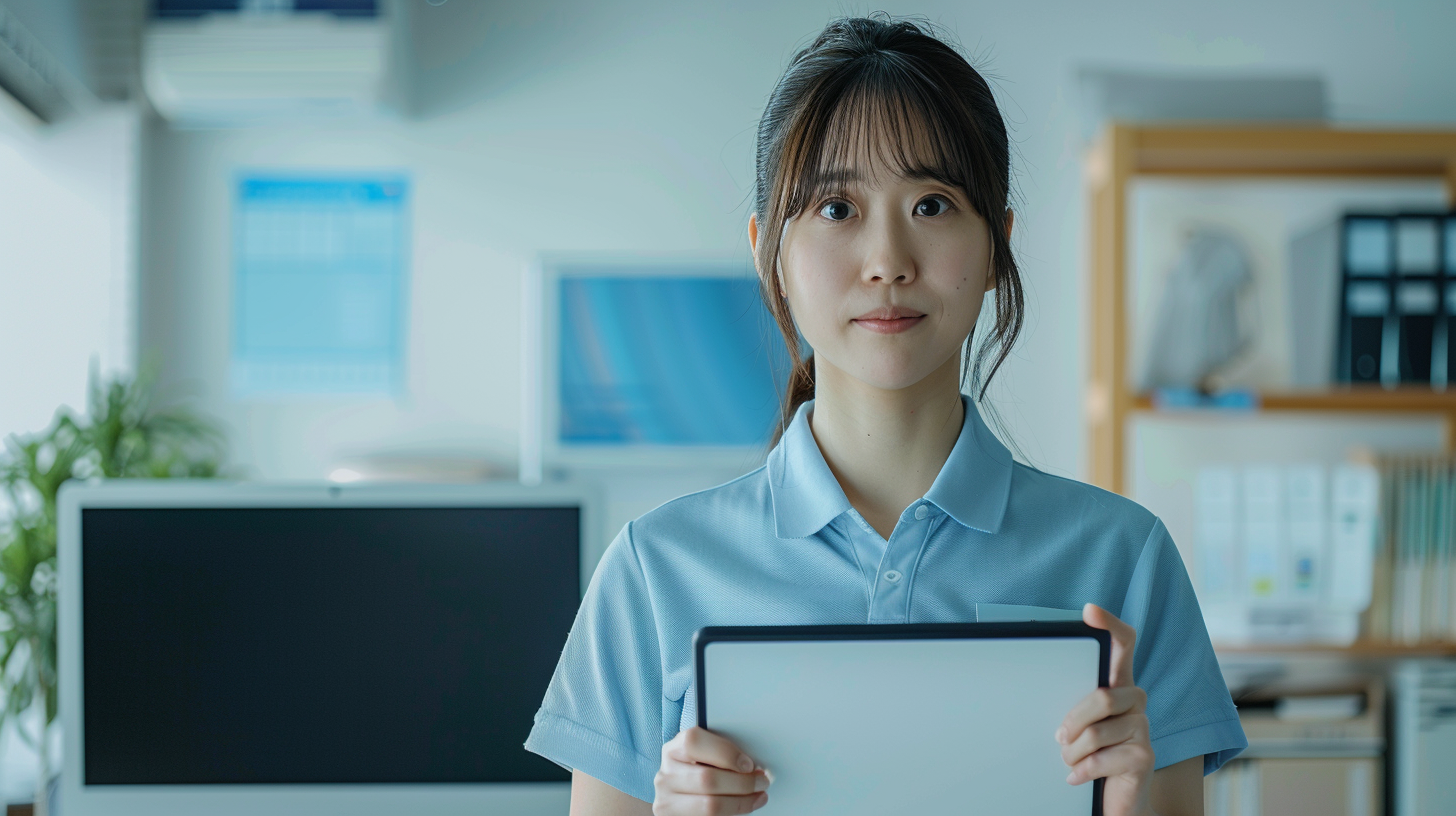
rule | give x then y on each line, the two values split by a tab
885	447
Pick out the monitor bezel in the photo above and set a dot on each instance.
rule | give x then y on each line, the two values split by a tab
542	454
291	799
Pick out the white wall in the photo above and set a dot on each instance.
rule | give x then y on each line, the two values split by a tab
628	127
67	259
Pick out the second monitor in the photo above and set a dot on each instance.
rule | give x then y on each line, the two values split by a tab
234	648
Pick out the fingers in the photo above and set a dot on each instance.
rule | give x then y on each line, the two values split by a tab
1109	732
683	777
1099	705
1106	734
675	804
1135	758
698	744
1124	640
700	775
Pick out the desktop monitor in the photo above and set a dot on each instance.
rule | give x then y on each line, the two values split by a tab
236	649
648	362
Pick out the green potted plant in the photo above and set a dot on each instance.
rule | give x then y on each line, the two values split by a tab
124	434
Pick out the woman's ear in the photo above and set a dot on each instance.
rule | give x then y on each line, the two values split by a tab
753	247
991	272
778	281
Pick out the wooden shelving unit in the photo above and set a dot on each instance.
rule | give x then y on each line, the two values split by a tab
1126	151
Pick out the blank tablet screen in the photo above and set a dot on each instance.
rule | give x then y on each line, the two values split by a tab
917	725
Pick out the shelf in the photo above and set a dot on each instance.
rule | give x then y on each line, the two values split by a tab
1361	650
1290	151
1365	399
1127	151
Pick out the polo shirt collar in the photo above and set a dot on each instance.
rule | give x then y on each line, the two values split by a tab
974	484
806	496
972	487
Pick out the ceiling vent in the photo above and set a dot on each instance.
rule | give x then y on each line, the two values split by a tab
207	63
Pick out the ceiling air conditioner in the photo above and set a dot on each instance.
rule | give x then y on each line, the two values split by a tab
224	70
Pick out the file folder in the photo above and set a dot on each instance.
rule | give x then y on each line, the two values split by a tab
1367	331
1417	294
1445	367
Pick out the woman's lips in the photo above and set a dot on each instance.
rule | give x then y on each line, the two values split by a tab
890	325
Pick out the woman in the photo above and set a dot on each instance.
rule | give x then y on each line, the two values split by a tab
880	222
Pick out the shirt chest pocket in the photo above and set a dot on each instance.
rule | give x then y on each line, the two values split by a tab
992	613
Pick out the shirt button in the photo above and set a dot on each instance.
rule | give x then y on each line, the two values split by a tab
893	576
921	512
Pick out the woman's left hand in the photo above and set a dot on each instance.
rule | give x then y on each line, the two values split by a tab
1106	734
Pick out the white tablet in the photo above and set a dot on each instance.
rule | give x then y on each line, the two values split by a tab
924	719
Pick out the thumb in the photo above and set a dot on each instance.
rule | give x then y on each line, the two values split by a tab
1124	640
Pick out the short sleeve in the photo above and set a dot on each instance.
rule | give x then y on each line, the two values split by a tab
602	710
1190	712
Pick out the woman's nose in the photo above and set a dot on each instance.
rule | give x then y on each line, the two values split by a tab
887	257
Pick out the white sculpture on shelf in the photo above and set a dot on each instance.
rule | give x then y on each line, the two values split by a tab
1200	326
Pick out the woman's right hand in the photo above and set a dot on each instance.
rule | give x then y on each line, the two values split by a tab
706	774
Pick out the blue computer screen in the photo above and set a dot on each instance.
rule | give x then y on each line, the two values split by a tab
667	361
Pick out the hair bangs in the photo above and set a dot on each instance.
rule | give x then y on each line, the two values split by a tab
879	116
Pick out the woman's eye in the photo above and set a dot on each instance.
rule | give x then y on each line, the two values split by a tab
835	210
938	204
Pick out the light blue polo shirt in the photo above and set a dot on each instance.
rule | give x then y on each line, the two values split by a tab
782	545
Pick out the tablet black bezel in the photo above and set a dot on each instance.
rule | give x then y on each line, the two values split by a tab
903	631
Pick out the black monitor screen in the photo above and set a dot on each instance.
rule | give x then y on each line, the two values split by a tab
308	645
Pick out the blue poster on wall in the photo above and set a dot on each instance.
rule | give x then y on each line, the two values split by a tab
319	285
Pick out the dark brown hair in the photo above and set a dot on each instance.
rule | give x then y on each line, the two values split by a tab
869	76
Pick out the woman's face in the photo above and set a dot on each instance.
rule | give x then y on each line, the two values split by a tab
885	275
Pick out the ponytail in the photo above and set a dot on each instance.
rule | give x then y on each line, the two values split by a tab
800	390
